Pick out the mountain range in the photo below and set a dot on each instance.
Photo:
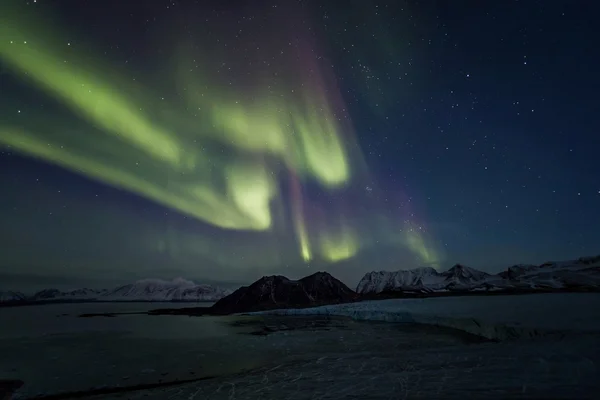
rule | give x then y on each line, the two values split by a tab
274	292
277	291
580	274
143	290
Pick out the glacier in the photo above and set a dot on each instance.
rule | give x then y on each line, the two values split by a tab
492	317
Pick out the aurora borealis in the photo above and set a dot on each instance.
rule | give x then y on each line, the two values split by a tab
233	142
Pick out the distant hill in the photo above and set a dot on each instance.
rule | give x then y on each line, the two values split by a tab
143	290
10	296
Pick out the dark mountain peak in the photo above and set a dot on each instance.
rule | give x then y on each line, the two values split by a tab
271	292
322	285
270	281
273	278
320	273
320	276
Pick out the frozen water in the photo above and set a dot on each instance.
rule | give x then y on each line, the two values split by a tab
351	360
372	361
53	352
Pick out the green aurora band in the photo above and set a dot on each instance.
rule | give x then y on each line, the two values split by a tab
222	165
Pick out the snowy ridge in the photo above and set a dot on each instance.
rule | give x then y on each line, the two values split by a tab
76	294
178	289
583	273
460	275
11	296
418	278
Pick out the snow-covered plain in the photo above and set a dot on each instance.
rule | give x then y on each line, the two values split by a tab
359	360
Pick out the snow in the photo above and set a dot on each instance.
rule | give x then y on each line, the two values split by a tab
583	272
420	279
377	282
6	296
178	289
161	290
76	294
384	361
494	317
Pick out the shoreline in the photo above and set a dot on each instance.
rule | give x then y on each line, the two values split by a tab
206	310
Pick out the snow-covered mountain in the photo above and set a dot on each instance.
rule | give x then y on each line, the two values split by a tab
178	289
160	290
6	296
583	273
460	276
425	278
55	294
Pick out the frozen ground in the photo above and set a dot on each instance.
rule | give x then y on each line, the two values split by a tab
343	360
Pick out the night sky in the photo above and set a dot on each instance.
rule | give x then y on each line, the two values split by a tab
221	141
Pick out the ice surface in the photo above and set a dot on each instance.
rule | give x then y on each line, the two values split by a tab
53	352
358	360
385	362
494	317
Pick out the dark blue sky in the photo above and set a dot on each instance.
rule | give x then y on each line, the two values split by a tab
475	121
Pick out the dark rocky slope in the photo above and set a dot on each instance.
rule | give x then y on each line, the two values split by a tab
272	292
